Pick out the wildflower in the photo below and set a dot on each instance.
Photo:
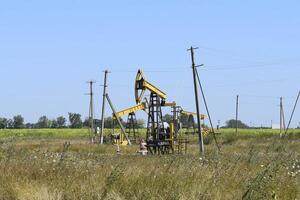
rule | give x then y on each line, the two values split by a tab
54	160
261	165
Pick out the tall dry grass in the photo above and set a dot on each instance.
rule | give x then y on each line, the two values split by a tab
256	167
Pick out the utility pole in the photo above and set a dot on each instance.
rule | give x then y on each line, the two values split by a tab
271	123
103	106
91	113
282	119
236	113
280	108
200	136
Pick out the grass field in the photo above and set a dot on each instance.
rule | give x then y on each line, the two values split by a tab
253	164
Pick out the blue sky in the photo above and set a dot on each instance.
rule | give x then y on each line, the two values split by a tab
49	49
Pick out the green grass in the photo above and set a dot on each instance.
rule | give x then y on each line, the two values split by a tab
254	164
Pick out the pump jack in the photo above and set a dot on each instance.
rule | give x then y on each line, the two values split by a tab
159	138
131	119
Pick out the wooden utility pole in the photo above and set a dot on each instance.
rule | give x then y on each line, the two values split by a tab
236	113
200	136
281	114
103	106
282	118
91	113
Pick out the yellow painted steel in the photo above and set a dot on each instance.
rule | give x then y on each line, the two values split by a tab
170	104
154	89
141	85
172	131
121	141
133	109
192	113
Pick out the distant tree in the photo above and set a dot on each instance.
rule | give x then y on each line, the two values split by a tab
167	118
61	122
97	122
18	122
184	120
109	122
3	123
86	122
29	125
10	123
43	122
53	123
75	120
232	124
140	123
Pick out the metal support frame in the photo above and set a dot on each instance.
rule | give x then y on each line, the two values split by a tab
176	112
155	122
157	139
131	125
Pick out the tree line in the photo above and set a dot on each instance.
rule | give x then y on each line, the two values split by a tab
74	121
